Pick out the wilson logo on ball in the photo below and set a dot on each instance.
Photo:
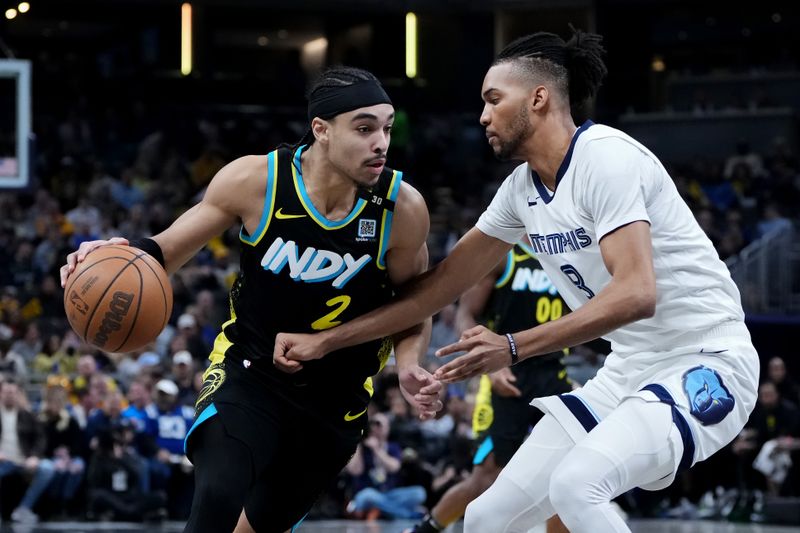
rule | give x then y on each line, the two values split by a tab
112	321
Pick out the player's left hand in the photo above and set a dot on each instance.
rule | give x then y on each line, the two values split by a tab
421	390
486	352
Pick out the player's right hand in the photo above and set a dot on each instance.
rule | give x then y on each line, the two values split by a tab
80	254
291	349
503	383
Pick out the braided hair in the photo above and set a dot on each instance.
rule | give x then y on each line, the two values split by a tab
330	80
575	67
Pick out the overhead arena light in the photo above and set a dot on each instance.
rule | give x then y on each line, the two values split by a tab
186	39
411	45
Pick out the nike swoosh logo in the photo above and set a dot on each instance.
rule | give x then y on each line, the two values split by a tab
349	418
280	215
702	350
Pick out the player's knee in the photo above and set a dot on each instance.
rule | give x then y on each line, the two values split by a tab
218	494
565	493
486	513
478	517
571	490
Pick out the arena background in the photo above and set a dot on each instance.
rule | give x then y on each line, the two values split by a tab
136	104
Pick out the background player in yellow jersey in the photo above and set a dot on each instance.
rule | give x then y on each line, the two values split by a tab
327	231
516	295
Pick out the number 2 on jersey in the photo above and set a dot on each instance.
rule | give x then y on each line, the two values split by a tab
328	321
576	279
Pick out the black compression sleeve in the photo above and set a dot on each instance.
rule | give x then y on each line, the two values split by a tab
151	247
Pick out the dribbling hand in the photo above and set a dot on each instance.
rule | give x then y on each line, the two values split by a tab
80	254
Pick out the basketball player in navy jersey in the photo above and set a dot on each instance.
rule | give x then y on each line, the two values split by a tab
327	232
625	252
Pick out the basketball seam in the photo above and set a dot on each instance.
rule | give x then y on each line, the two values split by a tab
138	304
163	290
69	288
105	291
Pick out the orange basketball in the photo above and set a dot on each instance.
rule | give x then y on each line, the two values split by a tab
118	299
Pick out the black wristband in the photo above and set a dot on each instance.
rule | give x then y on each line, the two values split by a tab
512	345
151	247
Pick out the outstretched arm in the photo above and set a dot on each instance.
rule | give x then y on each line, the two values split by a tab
629	296
471	259
406	258
217	211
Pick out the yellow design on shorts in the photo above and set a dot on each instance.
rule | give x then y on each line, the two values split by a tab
483	415
213	378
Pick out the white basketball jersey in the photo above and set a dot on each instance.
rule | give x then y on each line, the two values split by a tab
608	180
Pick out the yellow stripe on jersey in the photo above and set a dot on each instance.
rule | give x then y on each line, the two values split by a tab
387	346
269	202
316	216
221	344
386	220
368	386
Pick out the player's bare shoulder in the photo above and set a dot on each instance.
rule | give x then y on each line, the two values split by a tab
411	218
239	187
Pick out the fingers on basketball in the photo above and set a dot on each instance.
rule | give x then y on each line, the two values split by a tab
118	298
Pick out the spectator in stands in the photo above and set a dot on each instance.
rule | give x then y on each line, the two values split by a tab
183	376
22	447
139	397
11	363
85	215
786	385
375	473
30	345
707	221
775	428
114	485
189	331
773	220
107	416
87	367
168	422
731	238
66	447
746	155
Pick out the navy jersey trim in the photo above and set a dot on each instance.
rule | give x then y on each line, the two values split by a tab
544	192
579	411
680	422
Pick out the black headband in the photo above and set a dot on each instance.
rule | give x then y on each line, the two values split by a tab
329	102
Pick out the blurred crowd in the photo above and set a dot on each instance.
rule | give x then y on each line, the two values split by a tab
85	433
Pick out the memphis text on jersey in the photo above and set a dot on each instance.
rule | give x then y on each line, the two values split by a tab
558	243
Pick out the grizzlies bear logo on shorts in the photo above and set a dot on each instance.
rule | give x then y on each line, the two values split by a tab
709	400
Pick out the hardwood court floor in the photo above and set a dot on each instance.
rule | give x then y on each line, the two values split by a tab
346	526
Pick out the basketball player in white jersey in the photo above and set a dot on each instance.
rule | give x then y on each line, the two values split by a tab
626	254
